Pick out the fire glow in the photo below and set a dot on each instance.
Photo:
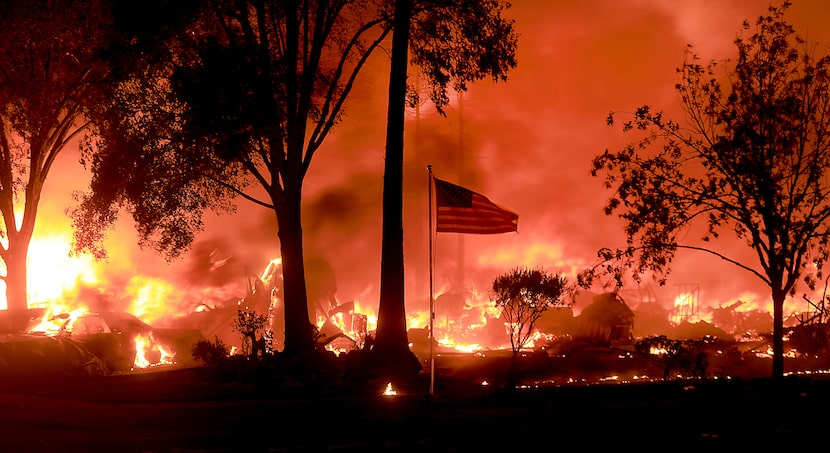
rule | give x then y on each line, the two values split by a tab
62	288
151	353
59	284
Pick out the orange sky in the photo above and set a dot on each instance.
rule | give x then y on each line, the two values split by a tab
527	144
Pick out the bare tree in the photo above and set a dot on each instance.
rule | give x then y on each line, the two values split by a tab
751	158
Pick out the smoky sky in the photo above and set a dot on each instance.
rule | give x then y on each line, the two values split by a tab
526	144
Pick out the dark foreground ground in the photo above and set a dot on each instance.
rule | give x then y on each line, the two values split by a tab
179	411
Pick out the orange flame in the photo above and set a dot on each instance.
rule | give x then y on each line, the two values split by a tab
151	353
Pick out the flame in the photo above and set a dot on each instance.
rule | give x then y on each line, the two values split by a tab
149	352
389	390
56	279
685	308
270	271
65	286
56	282
654	350
55	317
371	315
150	298
52	271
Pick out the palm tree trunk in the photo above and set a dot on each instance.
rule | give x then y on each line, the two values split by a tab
391	347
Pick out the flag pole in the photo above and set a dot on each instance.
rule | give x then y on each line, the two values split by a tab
431	290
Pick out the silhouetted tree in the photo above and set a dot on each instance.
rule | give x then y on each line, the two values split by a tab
523	295
391	353
453	43
211	353
59	63
752	158
252	91
252	326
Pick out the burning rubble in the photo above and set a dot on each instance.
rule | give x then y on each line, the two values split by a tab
92	332
600	342
94	343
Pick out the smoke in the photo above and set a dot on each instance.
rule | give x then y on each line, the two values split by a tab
526	144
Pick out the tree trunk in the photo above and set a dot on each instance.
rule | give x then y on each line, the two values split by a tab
778	297
298	332
513	371
16	272
391	347
17	303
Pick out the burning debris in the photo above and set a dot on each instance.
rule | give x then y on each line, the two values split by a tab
344	330
811	336
82	343
607	320
591	339
26	356
255	324
121	340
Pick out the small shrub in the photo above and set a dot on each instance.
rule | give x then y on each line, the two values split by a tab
248	324
682	358
212	353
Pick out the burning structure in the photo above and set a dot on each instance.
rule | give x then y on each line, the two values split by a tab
607	320
607	326
93	344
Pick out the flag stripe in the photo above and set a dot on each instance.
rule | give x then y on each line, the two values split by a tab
460	210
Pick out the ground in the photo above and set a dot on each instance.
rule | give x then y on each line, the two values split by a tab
178	410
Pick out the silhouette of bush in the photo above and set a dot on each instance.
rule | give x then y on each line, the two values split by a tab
271	373
210	353
248	324
677	358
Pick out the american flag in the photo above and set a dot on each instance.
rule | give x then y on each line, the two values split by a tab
460	210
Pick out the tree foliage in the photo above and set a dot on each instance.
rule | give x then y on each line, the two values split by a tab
523	295
59	63
457	42
677	358
249	93
253	328
751	157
